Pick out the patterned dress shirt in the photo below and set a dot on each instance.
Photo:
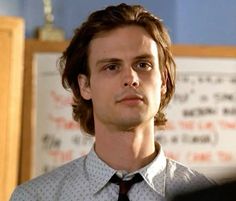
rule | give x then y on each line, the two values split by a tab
87	179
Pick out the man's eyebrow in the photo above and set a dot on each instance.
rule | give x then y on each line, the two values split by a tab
108	60
144	56
116	60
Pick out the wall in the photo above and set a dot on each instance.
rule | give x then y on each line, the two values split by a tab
12	7
189	21
206	22
69	14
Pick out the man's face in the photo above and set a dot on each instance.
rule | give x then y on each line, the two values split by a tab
125	83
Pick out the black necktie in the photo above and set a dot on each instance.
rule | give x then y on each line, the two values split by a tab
125	185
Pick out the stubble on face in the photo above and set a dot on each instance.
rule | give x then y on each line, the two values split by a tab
115	105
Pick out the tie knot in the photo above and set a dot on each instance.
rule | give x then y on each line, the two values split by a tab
125	185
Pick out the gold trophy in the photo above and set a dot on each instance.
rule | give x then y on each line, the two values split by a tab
48	31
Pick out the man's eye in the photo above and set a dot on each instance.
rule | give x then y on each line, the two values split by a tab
146	66
112	67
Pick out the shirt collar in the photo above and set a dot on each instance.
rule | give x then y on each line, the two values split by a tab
99	172
155	172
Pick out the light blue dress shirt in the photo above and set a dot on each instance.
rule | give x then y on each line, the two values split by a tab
87	179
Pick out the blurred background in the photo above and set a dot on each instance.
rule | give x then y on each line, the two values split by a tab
37	132
189	21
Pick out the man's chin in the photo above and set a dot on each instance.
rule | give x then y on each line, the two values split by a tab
130	124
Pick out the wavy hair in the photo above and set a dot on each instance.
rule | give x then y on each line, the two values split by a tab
74	60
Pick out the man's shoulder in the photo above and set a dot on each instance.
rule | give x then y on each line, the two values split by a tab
60	173
182	178
51	181
186	173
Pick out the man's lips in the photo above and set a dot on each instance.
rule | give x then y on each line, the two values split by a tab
130	98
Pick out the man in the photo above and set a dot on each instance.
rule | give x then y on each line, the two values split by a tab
121	72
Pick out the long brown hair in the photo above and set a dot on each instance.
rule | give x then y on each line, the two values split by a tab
74	60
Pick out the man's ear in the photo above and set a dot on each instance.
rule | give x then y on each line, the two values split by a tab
84	86
164	82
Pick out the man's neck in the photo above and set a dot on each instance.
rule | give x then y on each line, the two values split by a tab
126	150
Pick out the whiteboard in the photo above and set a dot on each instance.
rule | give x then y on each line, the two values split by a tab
57	137
201	130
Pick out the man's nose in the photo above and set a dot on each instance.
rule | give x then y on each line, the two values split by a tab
130	78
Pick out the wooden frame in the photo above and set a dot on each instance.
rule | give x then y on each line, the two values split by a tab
33	47
11	76
204	51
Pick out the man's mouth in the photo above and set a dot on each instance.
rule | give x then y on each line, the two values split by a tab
132	99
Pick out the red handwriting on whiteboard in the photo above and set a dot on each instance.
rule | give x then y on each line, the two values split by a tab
224	156
228	124
207	125
202	156
196	125
64	123
172	155
169	125
60	100
187	124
